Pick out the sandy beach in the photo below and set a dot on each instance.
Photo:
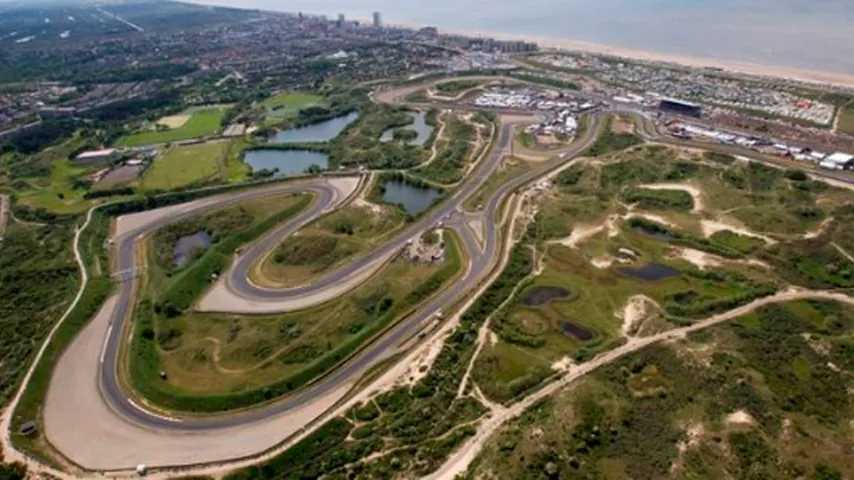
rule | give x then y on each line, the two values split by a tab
733	66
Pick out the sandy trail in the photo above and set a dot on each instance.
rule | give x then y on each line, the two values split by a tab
692	190
711	227
704	260
460	460
4	214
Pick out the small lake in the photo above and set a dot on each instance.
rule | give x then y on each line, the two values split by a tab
419	125
318	132
187	247
575	330
539	296
413	199
651	272
287	162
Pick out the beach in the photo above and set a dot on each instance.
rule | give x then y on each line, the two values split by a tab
733	66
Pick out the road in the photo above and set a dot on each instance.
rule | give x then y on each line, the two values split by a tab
119	433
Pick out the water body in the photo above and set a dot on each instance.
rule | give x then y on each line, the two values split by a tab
807	34
538	296
317	132
413	199
187	247
286	162
575	330
651	272
419	125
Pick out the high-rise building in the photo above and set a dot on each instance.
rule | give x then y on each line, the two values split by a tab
341	20
378	20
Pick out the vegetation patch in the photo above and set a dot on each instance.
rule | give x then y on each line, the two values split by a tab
664	411
202	122
610	141
663	199
186	166
326	243
246	360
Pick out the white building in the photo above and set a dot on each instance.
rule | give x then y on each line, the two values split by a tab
838	161
107	154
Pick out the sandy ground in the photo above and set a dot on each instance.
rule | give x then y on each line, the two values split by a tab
174	121
843	252
361	200
635	311
603	262
820	229
703	260
692	190
579	234
460	460
740	417
4	214
700	259
563	365
710	227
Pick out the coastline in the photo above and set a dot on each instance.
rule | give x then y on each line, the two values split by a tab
818	77
836	79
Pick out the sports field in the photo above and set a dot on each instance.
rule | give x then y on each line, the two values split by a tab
185	165
202	122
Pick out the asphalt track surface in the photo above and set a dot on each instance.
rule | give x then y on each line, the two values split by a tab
482	259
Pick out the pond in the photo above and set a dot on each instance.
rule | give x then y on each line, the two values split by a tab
286	162
651	272
413	199
419	125
186	247
575	330
317	132
538	296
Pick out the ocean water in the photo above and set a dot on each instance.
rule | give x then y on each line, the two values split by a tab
805	34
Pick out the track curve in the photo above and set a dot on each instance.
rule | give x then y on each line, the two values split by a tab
146	425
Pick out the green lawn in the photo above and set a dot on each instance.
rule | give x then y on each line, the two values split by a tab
286	105
846	119
185	165
202	122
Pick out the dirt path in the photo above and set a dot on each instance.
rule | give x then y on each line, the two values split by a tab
4	214
12	455
459	462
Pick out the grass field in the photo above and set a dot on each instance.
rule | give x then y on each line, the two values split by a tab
510	167
455	87
202	122
846	119
217	362
461	143
285	106
181	166
326	243
59	195
56	190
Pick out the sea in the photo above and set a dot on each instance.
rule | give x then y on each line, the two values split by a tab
801	34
